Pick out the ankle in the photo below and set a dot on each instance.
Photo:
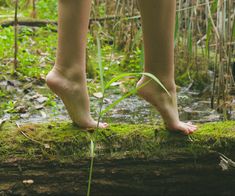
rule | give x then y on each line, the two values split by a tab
169	85
70	73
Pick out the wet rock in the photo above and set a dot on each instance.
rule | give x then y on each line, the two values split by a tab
39	107
25	115
42	99
27	87
21	109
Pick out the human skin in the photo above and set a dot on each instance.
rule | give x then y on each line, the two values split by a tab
68	76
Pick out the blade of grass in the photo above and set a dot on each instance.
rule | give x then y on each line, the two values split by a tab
91	168
189	38
122	98
176	29
136	74
100	64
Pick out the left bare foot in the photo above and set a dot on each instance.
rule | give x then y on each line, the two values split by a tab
75	98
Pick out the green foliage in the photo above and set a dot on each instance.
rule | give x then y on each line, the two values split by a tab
2	93
7	42
47	9
233	31
36	53
8	106
50	101
21	3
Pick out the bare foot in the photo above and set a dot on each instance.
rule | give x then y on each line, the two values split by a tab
75	98
166	105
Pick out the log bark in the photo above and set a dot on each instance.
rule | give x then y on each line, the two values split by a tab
118	177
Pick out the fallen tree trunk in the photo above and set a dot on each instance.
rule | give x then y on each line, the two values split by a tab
42	23
53	158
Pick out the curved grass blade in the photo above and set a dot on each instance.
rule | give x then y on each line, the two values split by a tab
137	74
100	64
122	98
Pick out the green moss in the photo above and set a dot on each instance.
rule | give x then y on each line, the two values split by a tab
65	142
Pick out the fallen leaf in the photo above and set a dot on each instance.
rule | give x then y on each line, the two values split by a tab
98	95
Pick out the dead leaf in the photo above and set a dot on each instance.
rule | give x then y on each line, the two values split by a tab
98	95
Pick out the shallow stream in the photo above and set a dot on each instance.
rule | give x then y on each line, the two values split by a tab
192	107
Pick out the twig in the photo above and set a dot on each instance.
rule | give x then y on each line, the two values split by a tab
31	139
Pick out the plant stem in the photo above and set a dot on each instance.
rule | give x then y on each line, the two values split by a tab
91	168
16	36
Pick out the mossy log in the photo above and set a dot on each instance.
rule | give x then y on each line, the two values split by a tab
62	141
54	158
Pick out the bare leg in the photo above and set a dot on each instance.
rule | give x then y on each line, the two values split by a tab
68	77
158	20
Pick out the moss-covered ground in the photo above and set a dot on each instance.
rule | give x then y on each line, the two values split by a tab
64	142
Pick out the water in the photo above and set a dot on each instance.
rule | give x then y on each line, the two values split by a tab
133	110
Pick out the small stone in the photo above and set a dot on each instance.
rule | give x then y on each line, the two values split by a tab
42	99
25	115
44	115
21	109
47	146
30	181
39	107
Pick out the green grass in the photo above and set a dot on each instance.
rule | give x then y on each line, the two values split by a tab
66	142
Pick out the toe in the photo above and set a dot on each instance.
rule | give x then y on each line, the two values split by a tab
192	126
191	129
188	128
103	125
184	128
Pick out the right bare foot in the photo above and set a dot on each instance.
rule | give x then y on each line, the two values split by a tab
166	105
75	98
